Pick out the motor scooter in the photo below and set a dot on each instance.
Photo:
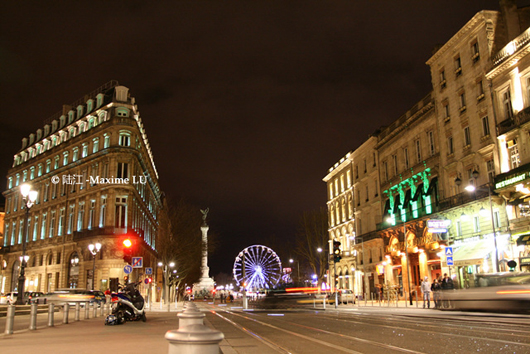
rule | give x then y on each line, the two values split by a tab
127	305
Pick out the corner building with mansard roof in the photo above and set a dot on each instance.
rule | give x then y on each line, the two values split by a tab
96	180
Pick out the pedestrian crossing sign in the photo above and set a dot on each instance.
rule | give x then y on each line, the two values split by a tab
449	251
137	262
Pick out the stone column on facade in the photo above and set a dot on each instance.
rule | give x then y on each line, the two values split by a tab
424	267
405	275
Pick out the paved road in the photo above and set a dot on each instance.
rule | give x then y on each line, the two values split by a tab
347	330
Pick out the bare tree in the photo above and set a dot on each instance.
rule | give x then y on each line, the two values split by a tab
312	235
179	241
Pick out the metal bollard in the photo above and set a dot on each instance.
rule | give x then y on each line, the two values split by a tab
77	310
194	339
10	319
190	317
51	315
33	317
86	311
65	312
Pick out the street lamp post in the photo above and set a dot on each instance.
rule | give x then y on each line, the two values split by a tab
94	249
297	268
29	197
472	188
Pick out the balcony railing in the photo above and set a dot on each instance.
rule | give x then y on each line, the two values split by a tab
464	198
512	123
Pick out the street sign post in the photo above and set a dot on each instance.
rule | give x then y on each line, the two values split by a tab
449	256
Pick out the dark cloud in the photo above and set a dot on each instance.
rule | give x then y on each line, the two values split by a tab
246	104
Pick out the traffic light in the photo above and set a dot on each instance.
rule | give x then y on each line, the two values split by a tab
127	250
336	251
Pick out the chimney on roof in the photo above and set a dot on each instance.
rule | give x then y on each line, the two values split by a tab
511	18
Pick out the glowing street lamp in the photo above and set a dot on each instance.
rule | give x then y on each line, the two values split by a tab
29	197
94	249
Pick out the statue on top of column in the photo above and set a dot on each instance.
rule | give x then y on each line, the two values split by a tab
204	215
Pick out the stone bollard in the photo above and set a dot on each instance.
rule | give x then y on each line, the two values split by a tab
194	339
51	315
33	317
190	317
77	310
10	319
65	312
94	309
86	311
102	310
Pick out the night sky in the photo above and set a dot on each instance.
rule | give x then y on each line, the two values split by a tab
246	103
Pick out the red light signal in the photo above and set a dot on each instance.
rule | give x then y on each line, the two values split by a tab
127	250
127	243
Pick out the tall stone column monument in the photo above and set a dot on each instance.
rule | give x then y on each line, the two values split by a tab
205	284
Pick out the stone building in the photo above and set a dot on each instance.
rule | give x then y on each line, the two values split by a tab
96	180
510	85
470	131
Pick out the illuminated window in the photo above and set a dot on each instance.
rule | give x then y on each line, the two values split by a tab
432	147
513	150
103	211
443	82
490	166
467	136
475	53
507	104
70	219
61	222
458	66
476	223
121	212
125	139
52	224
485	126
80	216
447	113
418	151
95	145
462	101
406	157
75	155
480	90
84	153
106	142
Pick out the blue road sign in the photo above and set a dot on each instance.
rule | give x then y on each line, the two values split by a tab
449	251
449	260
127	269
137	262
148	271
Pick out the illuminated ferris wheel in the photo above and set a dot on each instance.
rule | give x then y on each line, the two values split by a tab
263	267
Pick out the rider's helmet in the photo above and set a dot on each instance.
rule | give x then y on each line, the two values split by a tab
111	320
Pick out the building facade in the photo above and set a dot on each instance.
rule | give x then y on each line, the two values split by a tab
453	172
93	169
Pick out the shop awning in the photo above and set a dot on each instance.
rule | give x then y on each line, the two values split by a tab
472	253
523	240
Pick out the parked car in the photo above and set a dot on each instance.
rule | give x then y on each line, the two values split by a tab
30	297
346	295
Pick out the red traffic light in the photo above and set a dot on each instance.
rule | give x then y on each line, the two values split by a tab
127	243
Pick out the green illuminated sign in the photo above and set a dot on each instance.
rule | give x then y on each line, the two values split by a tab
511	180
